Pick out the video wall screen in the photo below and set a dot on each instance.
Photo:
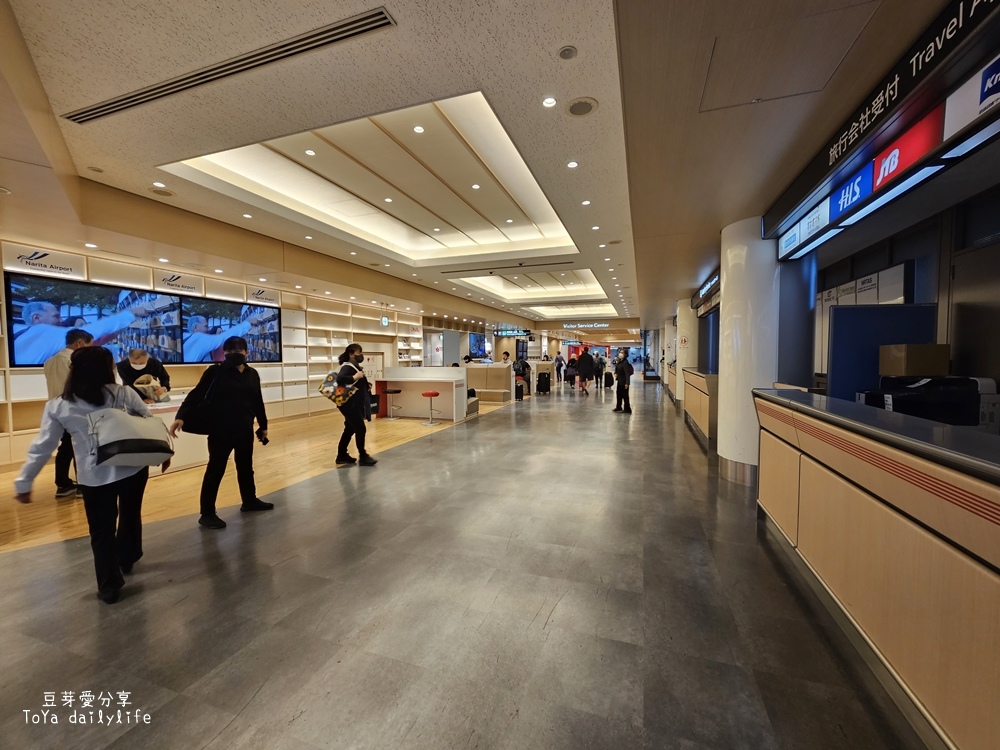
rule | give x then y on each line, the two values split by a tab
209	322
41	310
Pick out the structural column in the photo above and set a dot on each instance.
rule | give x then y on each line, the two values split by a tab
748	344
687	342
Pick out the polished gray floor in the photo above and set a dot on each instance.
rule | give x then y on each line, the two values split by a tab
552	575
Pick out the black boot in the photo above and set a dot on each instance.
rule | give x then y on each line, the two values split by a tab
344	458
367	460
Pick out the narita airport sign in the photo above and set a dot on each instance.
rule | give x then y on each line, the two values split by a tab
585	326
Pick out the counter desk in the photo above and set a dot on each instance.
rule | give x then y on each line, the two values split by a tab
450	382
896	519
672	382
189	450
701	403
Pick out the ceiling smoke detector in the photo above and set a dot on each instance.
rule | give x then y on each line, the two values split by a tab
161	191
582	107
568	52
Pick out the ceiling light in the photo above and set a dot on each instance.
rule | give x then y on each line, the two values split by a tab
388	200
418	129
549	101
604	246
573	165
159	185
571	283
465	320
409	308
475	187
89	244
164	260
394	306
308	236
298	286
470	293
585	203
353	253
446	316
353	297
510	221
218	270
325	292
247	216
386	265
595	228
617	284
310	152
614	278
437	282
607	259
611	269
374	302
414	274
437	229
261	279
515	277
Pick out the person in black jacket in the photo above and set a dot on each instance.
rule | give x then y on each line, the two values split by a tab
139	363
235	400
585	369
358	408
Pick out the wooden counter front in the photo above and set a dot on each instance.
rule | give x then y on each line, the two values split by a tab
701	401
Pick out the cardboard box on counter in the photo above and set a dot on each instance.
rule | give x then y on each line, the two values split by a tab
919	360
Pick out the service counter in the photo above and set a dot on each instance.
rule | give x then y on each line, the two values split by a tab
450	382
701	402
898	519
672	382
189	450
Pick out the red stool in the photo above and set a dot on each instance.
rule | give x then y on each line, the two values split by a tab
430	419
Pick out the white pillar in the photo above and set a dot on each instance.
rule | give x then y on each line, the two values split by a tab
687	342
748	345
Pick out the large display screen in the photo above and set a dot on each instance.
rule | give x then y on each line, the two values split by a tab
41	310
477	345
208	323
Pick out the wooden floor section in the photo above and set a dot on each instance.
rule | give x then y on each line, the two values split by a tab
299	449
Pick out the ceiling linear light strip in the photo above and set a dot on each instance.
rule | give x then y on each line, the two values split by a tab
519	267
367	202
340	31
499	183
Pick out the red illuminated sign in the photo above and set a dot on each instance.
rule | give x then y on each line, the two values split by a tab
909	148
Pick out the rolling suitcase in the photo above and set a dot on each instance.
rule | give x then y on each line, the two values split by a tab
544	382
609	380
519	392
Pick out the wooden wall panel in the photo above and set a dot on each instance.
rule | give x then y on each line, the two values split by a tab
932	612
778	485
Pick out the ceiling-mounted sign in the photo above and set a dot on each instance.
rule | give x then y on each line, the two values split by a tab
43	262
788	241
974	98
384	321
815	221
271	297
511	333
707	289
851	193
184	283
585	326
909	148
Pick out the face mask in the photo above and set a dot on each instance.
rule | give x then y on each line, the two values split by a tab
138	367
235	359
359	359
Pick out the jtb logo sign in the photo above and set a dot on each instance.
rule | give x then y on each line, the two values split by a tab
851	193
990	82
34	256
887	167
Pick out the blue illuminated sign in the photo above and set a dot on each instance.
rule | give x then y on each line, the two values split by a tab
852	192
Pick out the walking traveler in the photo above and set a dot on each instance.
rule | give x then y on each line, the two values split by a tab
560	363
112	495
56	370
357	409
230	394
571	372
585	369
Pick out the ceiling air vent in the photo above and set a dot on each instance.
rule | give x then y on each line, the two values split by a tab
340	31
582	107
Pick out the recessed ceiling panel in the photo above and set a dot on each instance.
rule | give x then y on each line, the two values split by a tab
578	311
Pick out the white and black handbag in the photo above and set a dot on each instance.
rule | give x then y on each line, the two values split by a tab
123	439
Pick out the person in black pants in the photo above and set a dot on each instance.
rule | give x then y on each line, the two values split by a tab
357	409
112	495
623	374
234	400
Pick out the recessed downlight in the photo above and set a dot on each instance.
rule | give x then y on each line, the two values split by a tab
603	246
437	229
595	228
163	260
310	152
298	286
585	203
308	236
353	253
418	129
325	292
261	279
353	297
573	164
159	185
386	265
549	101
247	216
510	221
388	200
607	259
89	244
218	270
475	187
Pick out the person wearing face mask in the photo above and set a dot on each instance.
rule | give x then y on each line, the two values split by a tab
623	374
139	363
234	401
358	408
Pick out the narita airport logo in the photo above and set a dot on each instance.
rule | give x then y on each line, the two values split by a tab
171	281
34	256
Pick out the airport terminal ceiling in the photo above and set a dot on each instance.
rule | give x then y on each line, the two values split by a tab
699	115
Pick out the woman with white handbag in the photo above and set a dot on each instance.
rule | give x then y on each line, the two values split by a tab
113	454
